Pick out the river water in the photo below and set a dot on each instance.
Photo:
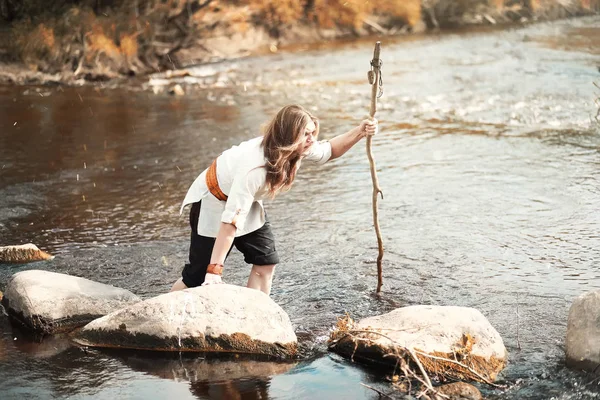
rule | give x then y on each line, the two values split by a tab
488	158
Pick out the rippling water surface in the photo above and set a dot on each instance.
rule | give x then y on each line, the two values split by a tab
488	158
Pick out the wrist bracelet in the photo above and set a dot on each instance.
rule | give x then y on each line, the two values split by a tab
215	269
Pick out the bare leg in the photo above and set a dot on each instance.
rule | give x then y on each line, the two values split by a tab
179	285
261	278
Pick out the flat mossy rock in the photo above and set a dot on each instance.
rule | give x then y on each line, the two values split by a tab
441	337
583	333
213	318
23	254
49	302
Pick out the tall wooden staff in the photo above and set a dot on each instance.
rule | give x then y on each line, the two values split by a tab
376	91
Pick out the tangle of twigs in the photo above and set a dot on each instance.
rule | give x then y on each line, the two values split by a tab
422	376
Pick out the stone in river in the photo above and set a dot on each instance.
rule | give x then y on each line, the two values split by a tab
23	254
214	318
49	302
458	334
583	333
460	391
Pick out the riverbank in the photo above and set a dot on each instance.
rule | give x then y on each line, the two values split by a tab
83	44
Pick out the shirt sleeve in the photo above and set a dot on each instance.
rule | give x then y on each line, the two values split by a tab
319	152
241	196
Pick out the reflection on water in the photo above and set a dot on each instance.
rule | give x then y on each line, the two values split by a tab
487	158
91	164
238	378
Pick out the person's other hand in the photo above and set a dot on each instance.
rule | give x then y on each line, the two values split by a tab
369	127
212	279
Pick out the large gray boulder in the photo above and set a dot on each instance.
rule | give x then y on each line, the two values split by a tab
49	302
214	318
583	333
459	334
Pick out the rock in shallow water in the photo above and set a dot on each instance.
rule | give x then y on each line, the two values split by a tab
583	333
215	318
460	391
460	334
23	254
48	302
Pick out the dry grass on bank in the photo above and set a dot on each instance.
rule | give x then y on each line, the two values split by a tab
137	37
355	13
122	41
76	41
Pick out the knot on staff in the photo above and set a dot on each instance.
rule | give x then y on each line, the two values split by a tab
376	82
376	64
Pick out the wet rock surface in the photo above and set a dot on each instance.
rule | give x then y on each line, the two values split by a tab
460	391
217	318
49	302
583	333
457	342
22	254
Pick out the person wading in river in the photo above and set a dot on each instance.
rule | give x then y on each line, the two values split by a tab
226	198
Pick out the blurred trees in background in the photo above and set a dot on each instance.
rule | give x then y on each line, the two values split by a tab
99	39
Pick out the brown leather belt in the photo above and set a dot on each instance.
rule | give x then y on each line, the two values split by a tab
213	183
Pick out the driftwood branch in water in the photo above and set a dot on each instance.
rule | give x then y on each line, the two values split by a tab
374	80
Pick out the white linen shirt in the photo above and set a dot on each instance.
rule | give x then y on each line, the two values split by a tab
242	177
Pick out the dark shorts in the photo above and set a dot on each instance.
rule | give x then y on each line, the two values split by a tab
258	248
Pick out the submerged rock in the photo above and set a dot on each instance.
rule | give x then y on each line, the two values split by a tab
216	318
22	254
583	333
460	391
442	338
48	302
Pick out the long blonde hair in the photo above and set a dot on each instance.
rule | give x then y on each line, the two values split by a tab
283	146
